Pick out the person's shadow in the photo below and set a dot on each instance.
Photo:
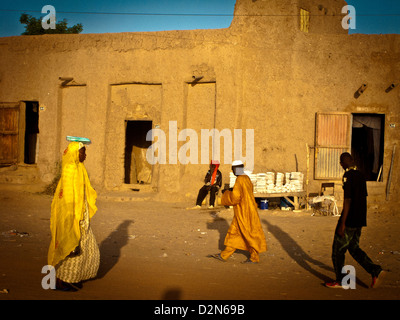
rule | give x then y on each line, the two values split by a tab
172	294
110	248
222	226
297	253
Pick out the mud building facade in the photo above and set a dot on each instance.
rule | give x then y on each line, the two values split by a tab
286	69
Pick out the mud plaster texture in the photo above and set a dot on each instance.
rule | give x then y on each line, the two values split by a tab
261	73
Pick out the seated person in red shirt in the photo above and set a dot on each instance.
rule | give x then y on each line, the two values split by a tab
212	183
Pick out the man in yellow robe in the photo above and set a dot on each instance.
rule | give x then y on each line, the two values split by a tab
245	231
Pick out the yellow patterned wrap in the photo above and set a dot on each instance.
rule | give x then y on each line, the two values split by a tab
68	205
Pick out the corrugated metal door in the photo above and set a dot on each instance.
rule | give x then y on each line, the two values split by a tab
9	120
333	137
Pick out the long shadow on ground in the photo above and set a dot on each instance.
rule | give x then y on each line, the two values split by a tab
110	248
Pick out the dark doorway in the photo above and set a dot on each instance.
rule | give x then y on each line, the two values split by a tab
137	168
367	144
31	131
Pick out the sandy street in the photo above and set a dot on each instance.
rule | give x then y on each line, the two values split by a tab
156	250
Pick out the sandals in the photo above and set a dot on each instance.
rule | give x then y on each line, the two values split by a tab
248	261
65	286
217	256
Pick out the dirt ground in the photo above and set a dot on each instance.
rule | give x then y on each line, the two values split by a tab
157	250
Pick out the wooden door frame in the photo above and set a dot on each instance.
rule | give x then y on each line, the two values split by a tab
12	105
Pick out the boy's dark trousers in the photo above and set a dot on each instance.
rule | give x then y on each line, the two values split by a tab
203	193
351	241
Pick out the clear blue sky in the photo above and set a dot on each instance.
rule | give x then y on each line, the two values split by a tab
101	16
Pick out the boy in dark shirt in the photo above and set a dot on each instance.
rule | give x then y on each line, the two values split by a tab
351	221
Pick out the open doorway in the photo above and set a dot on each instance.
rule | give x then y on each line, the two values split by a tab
31	131
137	168
367	144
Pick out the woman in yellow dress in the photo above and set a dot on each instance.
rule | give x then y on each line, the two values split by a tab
245	231
73	248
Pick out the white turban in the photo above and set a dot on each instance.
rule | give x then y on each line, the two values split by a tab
237	163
